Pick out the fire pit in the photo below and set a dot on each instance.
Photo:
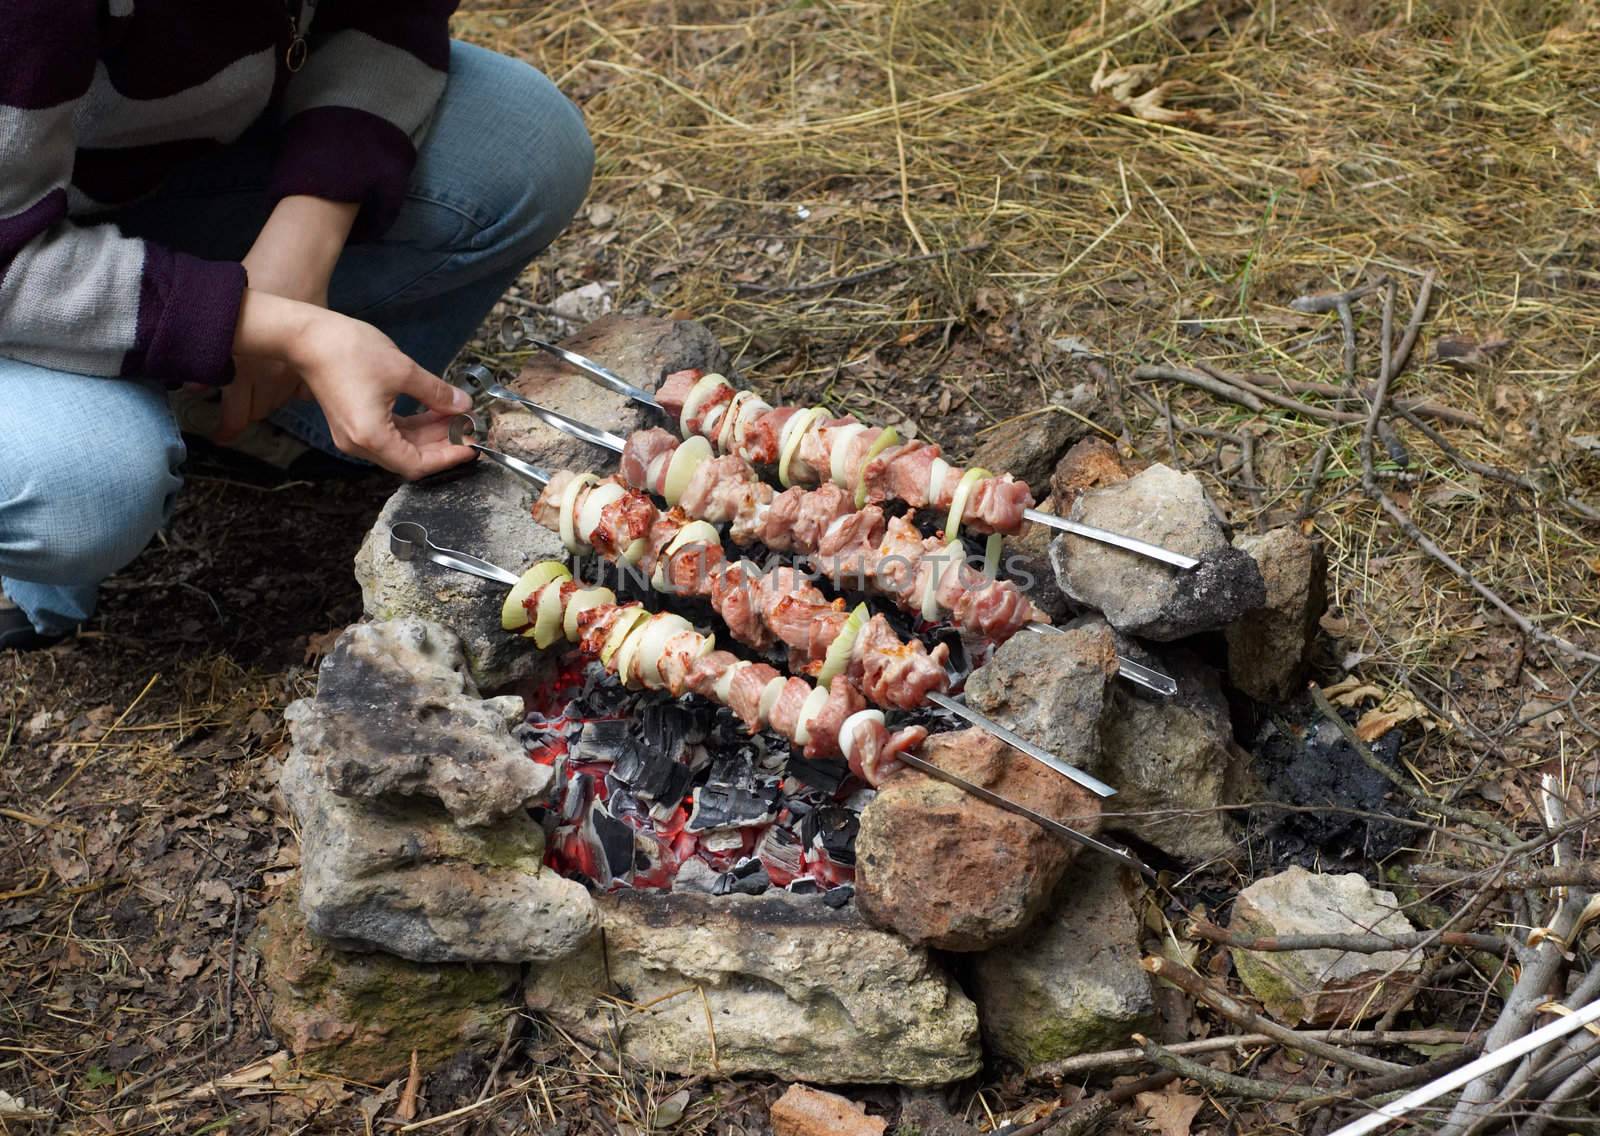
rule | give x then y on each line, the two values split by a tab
799	897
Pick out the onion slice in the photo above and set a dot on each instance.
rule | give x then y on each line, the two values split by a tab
514	612
809	709
588	516
842	439
769	698
626	621
653	643
847	732
694	533
838	656
793	432
580	602
936	474
889	437
952	554
723	688
700	392
547	615
685	460
958	500
992	549
629	651
569	501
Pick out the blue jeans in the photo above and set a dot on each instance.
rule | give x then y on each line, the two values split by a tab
89	467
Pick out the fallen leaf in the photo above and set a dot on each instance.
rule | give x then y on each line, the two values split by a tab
1468	353
1399	707
1118	86
184	967
671	1110
1171	1111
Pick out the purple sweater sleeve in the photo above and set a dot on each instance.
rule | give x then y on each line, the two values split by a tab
354	113
85	298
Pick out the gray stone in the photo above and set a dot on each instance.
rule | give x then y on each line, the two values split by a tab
410	794
1073	984
1174	760
1268	648
397	716
1050	688
362	1016
642	349
795	990
484	512
1145	597
1325	986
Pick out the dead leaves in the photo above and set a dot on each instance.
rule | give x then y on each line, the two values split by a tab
1170	1111
1394	708
1124	89
1467	352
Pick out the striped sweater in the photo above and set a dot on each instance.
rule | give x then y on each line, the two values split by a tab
101	99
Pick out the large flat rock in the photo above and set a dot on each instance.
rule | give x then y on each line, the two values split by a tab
775	984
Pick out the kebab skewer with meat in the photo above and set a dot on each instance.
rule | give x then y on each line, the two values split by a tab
663	651
685	557
852	546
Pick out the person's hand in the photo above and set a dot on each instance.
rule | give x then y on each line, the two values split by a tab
355	373
293	257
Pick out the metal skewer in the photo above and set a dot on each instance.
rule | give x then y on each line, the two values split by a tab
462	427
512	331
1021	744
407	539
922	765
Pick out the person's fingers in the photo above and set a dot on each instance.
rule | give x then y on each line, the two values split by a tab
435	393
236	398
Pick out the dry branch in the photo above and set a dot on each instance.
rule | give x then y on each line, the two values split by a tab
1241	1015
1113	1058
1354	943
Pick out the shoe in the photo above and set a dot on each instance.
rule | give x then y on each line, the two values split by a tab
17	633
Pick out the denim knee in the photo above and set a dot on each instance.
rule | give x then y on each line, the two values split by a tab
77	516
538	155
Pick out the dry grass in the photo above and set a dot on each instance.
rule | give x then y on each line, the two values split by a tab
751	153
772	146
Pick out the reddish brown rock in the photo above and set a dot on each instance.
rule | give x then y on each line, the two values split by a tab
1089	464
804	1111
947	870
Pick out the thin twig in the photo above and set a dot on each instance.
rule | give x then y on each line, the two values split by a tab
1415	792
1354	943
1578	873
1241	1015
1320	303
1231	393
1083	1117
233	958
1252	1088
1114	1058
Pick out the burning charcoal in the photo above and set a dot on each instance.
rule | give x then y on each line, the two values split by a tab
743	868
805	885
603	739
695	875
722	840
839	896
579	792
668	726
753	884
615	839
717	806
779	852
832	830
826	774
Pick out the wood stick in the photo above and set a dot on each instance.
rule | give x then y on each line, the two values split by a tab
1252	1088
1077	1119
1114	1058
1241	1015
1320	303
1222	390
1354	943
1579	873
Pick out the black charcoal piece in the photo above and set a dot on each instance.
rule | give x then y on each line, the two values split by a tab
576	798
721	840
805	885
779	850
825	775
616	841
833	829
724	884
753	884
839	896
745	868
668	727
602	740
718	806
